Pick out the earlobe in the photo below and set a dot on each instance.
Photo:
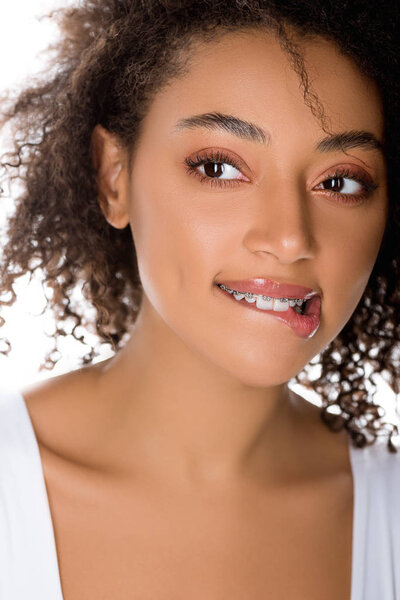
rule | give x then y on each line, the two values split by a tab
108	161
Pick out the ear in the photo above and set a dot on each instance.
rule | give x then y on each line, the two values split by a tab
109	160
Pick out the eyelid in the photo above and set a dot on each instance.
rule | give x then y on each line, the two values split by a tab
356	172
353	173
220	154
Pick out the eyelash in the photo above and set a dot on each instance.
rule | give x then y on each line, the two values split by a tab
221	157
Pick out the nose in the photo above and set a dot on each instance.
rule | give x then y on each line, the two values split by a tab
281	225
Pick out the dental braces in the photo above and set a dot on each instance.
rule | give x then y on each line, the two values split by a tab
299	301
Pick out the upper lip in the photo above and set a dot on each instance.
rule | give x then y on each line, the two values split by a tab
270	288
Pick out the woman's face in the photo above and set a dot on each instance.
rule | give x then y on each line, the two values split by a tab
279	209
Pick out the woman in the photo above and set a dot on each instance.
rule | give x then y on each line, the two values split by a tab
220	179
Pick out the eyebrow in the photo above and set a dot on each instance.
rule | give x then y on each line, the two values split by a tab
238	127
252	132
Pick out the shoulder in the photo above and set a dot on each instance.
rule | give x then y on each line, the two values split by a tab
65	415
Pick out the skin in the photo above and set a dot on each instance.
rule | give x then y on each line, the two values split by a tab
198	400
222	368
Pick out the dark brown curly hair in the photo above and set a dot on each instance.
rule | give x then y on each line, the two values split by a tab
112	58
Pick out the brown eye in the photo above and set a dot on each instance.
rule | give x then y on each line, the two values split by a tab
338	184
348	185
213	169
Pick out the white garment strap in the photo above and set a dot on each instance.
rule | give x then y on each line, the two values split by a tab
376	526
28	558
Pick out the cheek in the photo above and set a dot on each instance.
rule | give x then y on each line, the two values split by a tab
348	266
175	239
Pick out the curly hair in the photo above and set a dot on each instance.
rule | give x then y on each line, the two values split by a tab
112	57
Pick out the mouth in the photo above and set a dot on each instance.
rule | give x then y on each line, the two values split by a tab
301	314
269	287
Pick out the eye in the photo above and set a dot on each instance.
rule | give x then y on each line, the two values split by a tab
348	185
345	185
215	168
218	170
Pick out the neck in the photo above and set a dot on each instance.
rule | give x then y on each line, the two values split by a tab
188	419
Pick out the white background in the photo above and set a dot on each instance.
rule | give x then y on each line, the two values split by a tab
22	39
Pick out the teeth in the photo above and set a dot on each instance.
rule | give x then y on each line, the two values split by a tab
250	297
281	304
265	302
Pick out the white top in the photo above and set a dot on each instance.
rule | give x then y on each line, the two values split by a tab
28	555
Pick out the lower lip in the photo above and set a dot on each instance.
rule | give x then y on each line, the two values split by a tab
305	326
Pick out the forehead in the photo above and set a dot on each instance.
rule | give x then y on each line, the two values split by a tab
247	73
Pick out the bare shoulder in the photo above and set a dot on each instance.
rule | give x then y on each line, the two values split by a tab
328	449
64	412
